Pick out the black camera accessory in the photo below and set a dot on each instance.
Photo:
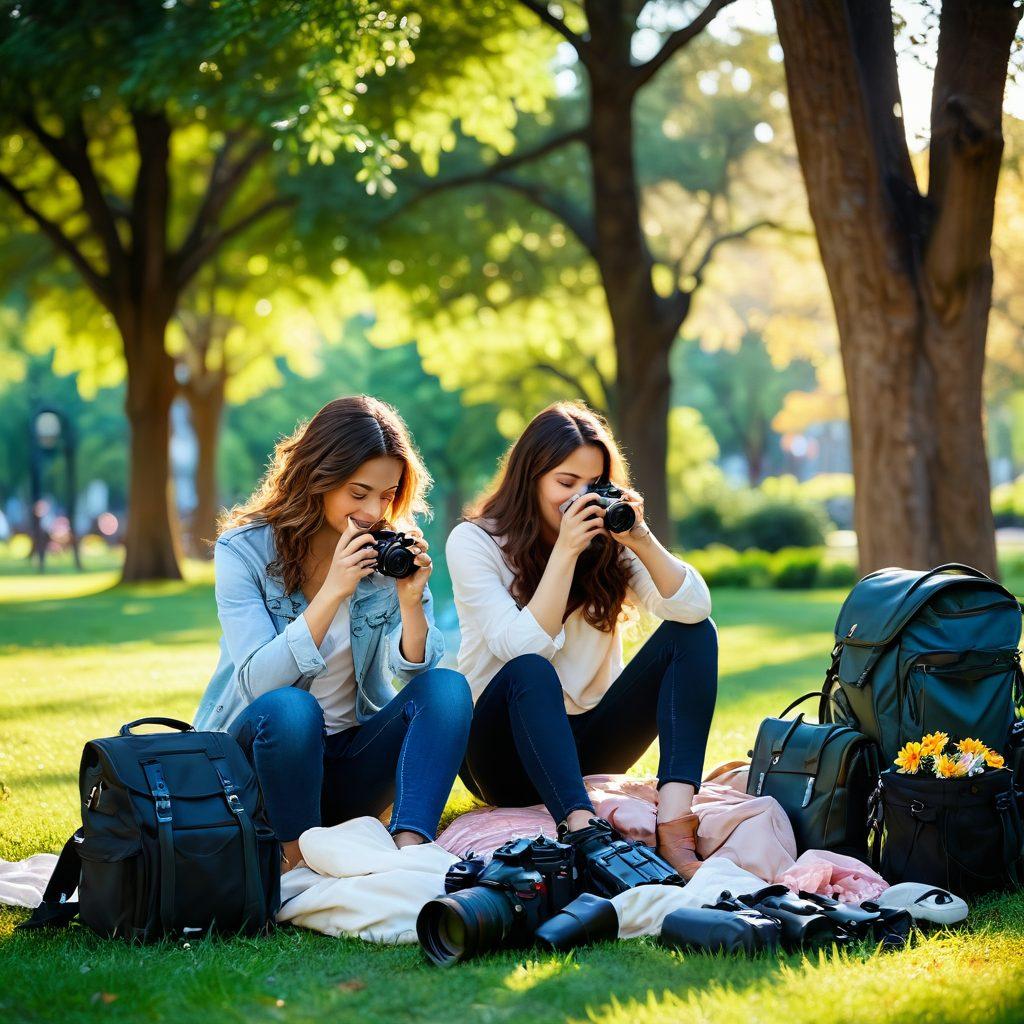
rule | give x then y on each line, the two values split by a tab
609	864
720	929
587	919
803	924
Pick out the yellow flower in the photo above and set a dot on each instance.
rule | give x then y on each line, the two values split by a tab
909	759
972	747
947	767
933	743
994	760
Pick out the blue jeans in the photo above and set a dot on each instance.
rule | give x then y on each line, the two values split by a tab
407	754
524	749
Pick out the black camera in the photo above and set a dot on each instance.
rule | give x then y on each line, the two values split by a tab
618	516
394	558
497	905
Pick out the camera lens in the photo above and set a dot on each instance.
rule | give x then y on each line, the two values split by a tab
464	924
619	517
397	562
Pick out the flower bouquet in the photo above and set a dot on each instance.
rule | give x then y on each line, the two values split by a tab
934	756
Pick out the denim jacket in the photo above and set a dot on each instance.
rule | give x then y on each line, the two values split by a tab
266	642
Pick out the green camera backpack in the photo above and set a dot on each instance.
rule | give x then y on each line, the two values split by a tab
919	652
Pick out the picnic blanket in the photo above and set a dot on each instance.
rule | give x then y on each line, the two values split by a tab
355	882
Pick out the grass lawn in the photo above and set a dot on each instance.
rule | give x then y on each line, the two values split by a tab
78	657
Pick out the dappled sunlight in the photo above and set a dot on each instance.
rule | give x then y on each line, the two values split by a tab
527	975
864	985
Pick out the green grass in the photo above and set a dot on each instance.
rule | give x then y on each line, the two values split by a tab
79	656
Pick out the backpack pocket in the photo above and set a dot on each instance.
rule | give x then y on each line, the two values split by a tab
113	887
968	693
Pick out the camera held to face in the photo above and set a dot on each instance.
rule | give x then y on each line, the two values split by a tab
394	558
618	516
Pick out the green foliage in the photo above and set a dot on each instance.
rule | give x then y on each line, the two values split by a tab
1008	503
502	295
773	525
770	517
739	393
792	568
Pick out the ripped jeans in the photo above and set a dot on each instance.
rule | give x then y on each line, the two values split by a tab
407	754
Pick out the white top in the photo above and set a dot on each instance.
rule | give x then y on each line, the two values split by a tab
335	687
495	629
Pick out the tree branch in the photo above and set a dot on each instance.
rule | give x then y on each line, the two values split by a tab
71	153
509	163
99	285
540	8
729	236
643	73
193	260
225	179
575	220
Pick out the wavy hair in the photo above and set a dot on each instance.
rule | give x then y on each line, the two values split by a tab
508	509
318	457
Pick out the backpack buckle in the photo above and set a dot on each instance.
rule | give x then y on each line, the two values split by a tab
163	808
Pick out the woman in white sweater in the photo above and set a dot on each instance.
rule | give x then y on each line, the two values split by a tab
542	589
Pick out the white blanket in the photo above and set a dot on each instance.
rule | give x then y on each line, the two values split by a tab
22	881
357	883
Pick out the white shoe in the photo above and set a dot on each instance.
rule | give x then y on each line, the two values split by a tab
924	902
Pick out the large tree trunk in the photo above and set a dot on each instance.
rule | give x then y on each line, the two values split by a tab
206	406
642	333
910	276
151	545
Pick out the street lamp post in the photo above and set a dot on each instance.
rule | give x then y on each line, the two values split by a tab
51	434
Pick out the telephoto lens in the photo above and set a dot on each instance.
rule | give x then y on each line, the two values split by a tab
497	906
394	558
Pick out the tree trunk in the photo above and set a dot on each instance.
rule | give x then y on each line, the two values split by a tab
642	335
206	406
909	276
151	544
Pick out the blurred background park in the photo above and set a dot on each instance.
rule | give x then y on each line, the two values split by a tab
780	245
215	220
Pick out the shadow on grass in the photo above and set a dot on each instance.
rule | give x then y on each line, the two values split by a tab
170	613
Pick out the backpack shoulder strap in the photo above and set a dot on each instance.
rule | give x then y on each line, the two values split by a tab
55	911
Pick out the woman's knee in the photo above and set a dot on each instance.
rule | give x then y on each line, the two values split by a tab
290	712
443	690
701	635
531	673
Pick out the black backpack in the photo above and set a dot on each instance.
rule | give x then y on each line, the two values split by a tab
919	652
963	834
823	776
174	840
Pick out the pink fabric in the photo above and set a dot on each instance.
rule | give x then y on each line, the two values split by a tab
753	832
833	874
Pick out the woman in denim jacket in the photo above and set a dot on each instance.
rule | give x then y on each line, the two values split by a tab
313	635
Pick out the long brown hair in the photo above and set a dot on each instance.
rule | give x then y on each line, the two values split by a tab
319	456
508	509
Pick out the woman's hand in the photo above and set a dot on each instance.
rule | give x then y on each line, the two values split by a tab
354	558
581	522
410	590
639	531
